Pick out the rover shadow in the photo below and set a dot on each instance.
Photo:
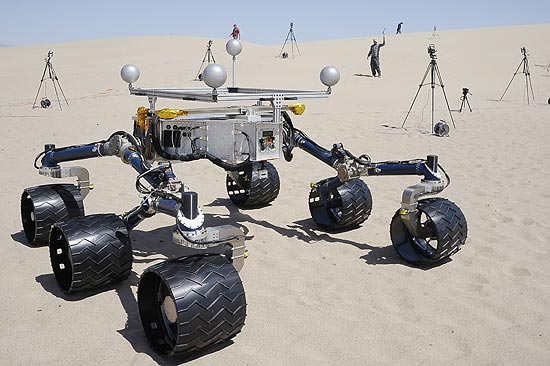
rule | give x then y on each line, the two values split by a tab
49	284
20	238
132	331
308	232
304	230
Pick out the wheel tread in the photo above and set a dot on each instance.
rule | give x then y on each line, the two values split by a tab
99	249
251	191
50	203
451	227
213	310
356	205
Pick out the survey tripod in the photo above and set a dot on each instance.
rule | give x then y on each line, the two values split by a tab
433	70
292	38
528	84
45	102
208	57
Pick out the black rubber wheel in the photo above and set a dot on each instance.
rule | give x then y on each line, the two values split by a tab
90	252
347	206
190	304
444	231
43	206
256	186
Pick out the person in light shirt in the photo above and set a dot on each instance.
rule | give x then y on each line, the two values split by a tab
374	54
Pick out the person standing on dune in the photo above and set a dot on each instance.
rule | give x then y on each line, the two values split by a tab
374	54
235	33
399	28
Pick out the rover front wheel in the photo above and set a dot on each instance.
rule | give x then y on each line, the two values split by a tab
90	252
43	206
189	304
442	232
256	186
340	208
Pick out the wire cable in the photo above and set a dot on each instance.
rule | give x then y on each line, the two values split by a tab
140	187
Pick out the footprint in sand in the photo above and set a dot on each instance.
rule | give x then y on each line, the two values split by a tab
520	272
529	221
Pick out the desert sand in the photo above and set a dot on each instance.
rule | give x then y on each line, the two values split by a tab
314	298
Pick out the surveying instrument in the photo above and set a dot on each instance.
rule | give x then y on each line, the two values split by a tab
208	57
45	102
292	38
433	70
528	84
464	99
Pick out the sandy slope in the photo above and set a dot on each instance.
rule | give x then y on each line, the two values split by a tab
313	297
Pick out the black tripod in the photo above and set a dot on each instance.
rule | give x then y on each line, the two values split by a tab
290	37
45	102
208	56
528	83
464	99
433	69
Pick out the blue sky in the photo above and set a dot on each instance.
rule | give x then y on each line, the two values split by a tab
27	22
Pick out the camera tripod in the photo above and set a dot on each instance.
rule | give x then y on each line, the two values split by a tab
208	56
45	102
292	38
464	99
433	70
528	84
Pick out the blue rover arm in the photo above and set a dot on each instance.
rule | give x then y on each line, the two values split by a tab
119	144
349	166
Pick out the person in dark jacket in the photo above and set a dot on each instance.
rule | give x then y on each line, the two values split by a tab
399	28
374	54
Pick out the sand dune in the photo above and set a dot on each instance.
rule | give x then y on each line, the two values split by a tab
313	297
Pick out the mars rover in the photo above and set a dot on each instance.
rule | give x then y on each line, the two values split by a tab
190	303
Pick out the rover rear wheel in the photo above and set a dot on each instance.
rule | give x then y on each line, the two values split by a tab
344	207
90	252
189	304
43	206
256	186
443	230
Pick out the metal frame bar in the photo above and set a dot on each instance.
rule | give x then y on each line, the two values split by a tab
227	94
